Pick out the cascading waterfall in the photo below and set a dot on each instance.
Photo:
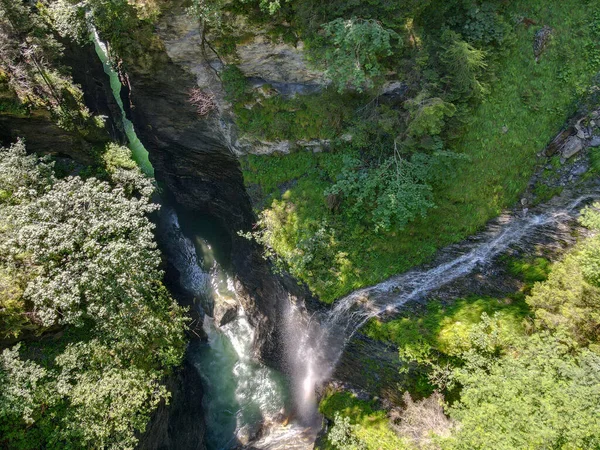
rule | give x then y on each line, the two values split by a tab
240	394
316	343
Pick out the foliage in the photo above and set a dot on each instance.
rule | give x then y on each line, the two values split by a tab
541	394
354	50
343	435
430	341
525	107
428	115
394	192
568	301
485	25
464	64
314	116
78	256
358	424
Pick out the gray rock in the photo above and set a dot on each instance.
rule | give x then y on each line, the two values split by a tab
571	147
595	141
225	312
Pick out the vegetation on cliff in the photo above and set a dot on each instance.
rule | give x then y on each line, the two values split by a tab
517	372
474	107
81	293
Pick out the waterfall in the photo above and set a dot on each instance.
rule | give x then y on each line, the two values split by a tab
140	154
316	343
240	394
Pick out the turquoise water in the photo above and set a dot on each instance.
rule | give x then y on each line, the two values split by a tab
140	154
239	393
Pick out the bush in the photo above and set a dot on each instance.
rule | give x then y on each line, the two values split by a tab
464	67
394	193
354	50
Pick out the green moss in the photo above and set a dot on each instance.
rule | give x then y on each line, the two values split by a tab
530	270
372	424
315	116
447	327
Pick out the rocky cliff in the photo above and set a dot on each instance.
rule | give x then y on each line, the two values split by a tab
264	60
194	161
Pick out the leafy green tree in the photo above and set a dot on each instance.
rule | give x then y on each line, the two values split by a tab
428	115
569	300
543	393
465	66
354	50
79	256
394	192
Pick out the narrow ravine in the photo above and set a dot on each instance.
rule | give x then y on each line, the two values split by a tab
240	394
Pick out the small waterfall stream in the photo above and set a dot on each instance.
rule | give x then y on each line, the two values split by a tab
316	343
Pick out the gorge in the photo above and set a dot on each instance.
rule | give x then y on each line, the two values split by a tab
254	399
361	226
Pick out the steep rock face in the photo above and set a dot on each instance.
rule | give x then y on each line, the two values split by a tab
180	424
192	159
43	136
261	59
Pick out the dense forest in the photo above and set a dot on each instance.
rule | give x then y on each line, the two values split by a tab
346	142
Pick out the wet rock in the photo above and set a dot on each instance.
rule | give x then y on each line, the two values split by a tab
357	361
554	147
194	159
595	141
571	147
225	312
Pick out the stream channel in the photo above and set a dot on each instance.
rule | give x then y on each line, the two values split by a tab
240	394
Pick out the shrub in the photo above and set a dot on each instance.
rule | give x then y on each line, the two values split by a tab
354	50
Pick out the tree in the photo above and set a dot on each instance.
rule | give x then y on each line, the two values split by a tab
79	256
353	53
569	301
464	66
544	393
394	192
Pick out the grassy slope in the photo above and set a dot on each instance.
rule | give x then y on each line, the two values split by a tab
531	100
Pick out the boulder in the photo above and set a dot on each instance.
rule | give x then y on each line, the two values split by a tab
571	147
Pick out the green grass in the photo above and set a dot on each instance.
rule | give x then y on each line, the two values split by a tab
315	116
372	423
530	270
527	105
447	327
